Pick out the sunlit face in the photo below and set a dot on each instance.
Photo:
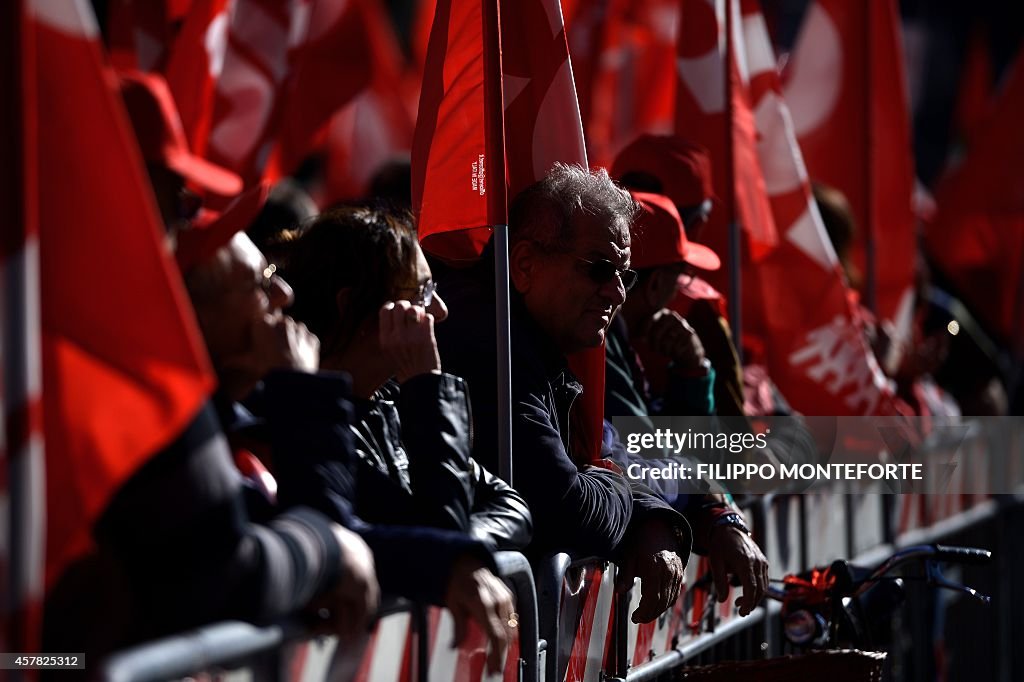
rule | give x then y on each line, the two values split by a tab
418	285
563	297
240	288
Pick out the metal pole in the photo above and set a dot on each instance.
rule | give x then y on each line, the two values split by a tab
735	277
870	260
497	211
1016	372
504	359
735	283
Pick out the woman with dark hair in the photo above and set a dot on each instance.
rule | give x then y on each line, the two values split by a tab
363	286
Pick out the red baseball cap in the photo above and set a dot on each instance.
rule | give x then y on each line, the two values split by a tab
161	137
212	230
682	168
658	237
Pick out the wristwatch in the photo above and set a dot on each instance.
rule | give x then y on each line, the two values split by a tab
733	520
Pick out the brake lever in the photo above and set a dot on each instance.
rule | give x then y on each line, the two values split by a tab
935	577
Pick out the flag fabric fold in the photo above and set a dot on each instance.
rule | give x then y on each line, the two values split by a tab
124	369
22	482
977	237
458	163
634	76
713	107
794	295
845	85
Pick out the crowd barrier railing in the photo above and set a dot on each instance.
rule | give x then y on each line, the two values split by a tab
572	624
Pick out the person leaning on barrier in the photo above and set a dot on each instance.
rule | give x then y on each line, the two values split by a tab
299	418
363	286
569	255
175	547
252	344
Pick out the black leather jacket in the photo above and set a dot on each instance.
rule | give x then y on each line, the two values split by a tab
414	443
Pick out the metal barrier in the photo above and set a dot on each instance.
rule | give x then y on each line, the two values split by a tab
284	651
572	626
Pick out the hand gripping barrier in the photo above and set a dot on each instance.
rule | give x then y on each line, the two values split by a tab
409	643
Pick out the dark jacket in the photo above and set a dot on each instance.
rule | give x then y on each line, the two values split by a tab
576	507
413	442
309	426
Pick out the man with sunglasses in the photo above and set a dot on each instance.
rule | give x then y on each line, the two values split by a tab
569	268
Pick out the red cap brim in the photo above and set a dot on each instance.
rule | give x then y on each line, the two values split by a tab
700	256
209	176
213	230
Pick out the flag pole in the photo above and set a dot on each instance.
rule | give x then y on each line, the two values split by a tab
735	276
870	262
497	206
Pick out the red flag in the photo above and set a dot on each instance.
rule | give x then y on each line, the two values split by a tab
21	436
464	154
977	238
124	369
361	113
794	296
458	156
542	116
140	32
976	89
367	133
585	25
713	107
846	88
349	47
194	65
634	86
246	100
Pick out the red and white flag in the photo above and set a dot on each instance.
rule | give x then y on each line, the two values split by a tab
22	483
846	88
349	48
713	107
124	369
260	36
794	296
140	32
240	54
490	124
348	95
194	65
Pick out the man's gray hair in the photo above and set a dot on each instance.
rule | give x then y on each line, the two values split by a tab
547	210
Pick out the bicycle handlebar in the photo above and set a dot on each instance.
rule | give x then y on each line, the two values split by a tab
962	555
923	553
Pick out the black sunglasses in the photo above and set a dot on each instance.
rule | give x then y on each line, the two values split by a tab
603	271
